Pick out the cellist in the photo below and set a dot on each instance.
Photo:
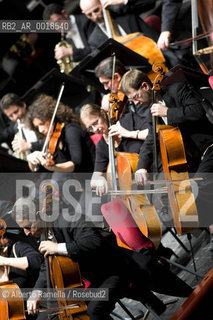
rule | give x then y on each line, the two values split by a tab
129	135
177	105
126	23
104	265
103	72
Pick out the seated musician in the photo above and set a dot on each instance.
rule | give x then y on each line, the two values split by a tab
126	23
24	264
103	72
26	141
176	105
74	150
101	263
129	133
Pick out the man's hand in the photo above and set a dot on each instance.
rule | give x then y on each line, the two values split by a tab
164	40
20	145
61	52
106	3
48	248
159	110
141	177
33	302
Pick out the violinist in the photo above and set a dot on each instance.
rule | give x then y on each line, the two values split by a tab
175	105
16	109
101	263
74	148
129	134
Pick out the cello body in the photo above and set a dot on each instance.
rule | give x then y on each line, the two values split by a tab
137	42
142	211
11	302
181	198
65	275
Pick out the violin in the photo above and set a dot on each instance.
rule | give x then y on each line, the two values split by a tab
53	144
11	301
52	139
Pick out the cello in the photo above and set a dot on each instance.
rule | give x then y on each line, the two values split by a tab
181	197
142	211
137	42
63	273
11	301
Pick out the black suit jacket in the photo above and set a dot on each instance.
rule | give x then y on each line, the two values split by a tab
85	27
186	112
129	22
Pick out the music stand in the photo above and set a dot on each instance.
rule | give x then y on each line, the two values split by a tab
85	69
75	92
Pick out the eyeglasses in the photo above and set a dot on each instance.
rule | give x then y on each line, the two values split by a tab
93	126
136	96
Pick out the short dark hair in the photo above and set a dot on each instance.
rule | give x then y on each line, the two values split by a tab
105	68
9	100
52	8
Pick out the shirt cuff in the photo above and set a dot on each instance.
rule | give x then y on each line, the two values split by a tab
125	2
62	249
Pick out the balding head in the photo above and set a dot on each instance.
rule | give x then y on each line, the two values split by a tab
92	9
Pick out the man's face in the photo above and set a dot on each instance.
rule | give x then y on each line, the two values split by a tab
30	228
15	112
107	83
141	96
61	20
93	10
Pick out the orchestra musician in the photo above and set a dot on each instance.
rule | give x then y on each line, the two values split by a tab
77	34
74	150
129	134
126	24
103	72
16	109
24	264
101	263
175	105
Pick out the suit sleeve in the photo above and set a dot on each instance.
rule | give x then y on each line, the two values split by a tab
84	242
184	106
146	150
170	11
